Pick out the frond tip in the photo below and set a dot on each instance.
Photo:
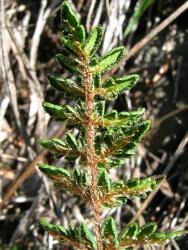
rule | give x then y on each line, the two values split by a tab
134	235
117	193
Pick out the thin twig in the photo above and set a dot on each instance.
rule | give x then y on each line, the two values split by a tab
154	32
176	155
107	9
80	5
6	67
36	37
88	21
28	171
169	115
42	19
21	229
98	14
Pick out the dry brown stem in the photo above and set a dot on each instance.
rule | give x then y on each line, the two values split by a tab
90	150
153	33
180	149
28	171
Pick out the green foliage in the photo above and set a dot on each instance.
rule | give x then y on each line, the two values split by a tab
111	193
116	193
69	63
61	148
109	231
68	15
93	41
71	117
146	235
104	180
133	235
71	25
119	143
122	119
88	236
107	61
80	238
113	87
64	85
116	135
130	231
76	182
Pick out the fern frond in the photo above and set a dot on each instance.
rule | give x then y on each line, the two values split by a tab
104	140
119	144
76	182
117	193
134	235
81	237
65	85
111	88
65	147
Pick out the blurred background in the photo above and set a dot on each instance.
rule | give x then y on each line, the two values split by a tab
155	34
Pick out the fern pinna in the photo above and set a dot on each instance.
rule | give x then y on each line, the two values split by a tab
104	140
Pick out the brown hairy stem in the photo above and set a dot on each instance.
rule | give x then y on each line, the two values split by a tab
90	150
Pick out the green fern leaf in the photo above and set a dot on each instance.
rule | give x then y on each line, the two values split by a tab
120	143
97	80
93	41
113	138
77	175
80	33
71	116
61	147
74	233
99	108
71	140
147	184
161	237
147	230
55	145
123	119
58	232
80	238
64	85
81	178
76	182
121	84
119	191
69	63
111	88
107	61
54	110
53	172
104	180
88	236
141	130
69	15
109	230
130	231
70	24
71	46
